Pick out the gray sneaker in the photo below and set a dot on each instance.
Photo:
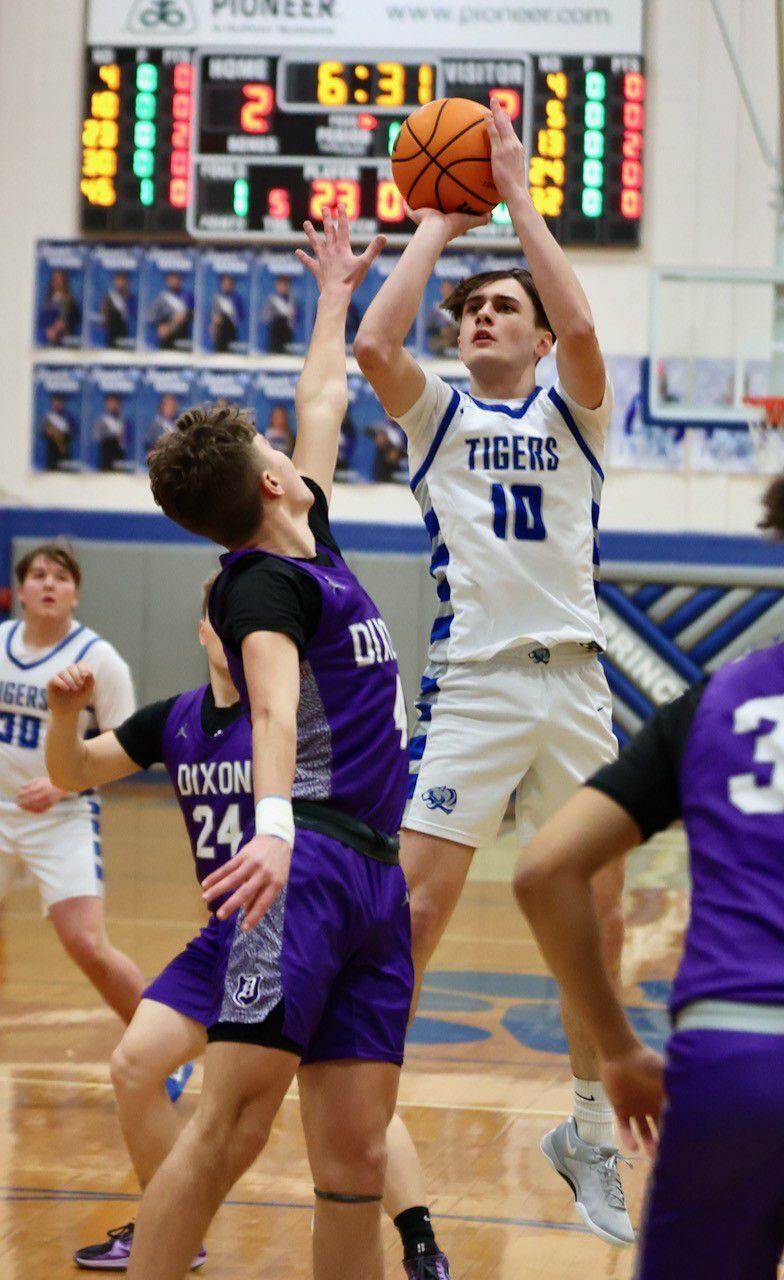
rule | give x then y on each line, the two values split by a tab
592	1173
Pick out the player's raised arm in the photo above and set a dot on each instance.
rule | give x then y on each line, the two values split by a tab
322	391
258	873
75	763
394	374
578	357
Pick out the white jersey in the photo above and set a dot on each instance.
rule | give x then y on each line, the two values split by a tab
510	495
24	714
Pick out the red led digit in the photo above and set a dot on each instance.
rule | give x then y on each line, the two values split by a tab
181	106
181	135
179	166
389	202
178	193
279	203
634	86
259	102
633	115
631	173
632	145
631	204
509	100
183	77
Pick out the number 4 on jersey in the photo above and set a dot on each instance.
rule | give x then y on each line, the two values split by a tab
229	832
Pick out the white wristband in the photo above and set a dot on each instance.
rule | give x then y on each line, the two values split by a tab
275	817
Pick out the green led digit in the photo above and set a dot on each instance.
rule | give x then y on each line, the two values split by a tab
145	106
144	135
593	144
593	173
592	202
147	77
241	197
595	86
143	164
501	215
394	130
147	191
594	115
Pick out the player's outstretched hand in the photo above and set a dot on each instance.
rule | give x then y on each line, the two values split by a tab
452	225
334	264
70	690
507	157
635	1086
255	878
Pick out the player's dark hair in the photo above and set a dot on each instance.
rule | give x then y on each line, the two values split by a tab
773	508
59	551
205	474
206	588
457	299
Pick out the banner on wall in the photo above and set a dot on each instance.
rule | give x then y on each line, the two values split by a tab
560	26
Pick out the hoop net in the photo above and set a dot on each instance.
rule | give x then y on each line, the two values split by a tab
766	425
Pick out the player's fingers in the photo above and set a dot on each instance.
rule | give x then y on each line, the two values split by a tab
260	905
648	1135
329	228
344	234
306	260
237	900
230	873
316	242
374	249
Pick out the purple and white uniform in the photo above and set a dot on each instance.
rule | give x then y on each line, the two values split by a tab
327	973
207	754
715	757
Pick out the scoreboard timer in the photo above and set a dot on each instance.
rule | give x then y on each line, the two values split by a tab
243	145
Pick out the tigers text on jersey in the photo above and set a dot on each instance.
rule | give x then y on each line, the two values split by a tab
24	713
510	494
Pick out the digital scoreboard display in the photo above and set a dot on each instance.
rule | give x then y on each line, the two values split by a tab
243	142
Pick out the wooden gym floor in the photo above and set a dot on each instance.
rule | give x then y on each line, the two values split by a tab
485	1075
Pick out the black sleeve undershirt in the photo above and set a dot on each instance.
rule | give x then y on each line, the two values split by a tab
645	779
268	594
141	735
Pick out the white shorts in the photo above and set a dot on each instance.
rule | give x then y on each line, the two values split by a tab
488	728
61	848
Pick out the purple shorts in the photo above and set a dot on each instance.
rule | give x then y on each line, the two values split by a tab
716	1196
327	974
193	983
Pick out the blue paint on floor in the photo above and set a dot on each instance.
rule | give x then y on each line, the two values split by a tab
519	986
439	1031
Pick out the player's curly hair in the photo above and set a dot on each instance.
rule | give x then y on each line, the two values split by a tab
205	474
773	508
457	299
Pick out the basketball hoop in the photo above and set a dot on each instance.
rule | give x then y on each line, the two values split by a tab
766	426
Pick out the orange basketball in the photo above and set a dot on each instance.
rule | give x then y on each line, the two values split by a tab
441	158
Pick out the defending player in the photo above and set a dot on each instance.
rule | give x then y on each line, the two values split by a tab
55	833
508	478
715	758
319	968
203	738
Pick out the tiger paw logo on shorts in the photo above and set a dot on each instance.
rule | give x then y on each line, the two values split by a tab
443	798
247	990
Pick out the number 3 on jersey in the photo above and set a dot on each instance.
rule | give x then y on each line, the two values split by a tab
765	718
525	509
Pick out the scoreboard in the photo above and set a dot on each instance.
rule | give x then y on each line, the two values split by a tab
242	143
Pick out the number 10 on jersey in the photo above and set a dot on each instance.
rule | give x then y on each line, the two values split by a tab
520	507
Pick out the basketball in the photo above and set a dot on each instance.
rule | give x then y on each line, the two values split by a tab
441	158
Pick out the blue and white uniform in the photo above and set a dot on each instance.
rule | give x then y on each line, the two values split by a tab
61	847
513	695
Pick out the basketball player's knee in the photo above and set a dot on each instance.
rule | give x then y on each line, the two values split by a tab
88	946
427	918
355	1163
232	1137
131	1071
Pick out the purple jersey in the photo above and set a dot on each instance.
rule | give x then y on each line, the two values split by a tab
351	723
212	778
732	798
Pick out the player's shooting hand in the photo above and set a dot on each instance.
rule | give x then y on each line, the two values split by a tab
635	1086
70	690
255	878
507	157
38	795
334	264
451	225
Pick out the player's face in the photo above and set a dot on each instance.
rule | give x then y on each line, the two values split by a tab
287	481
498	327
48	592
213	647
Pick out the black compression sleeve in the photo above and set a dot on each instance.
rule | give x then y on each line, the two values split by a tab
141	735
